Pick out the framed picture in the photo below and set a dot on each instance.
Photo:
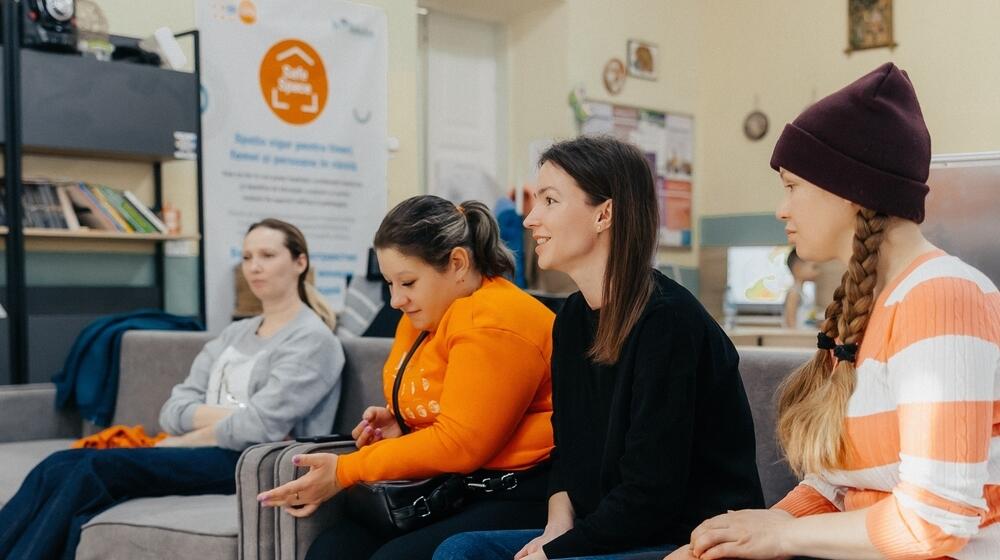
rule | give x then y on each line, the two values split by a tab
869	24
642	59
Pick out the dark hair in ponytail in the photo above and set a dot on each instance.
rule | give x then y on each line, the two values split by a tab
429	227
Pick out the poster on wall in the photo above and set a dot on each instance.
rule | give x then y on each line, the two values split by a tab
294	106
667	141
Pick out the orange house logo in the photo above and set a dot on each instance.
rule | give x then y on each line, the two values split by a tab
293	81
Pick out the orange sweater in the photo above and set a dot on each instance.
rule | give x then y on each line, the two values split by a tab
477	393
119	436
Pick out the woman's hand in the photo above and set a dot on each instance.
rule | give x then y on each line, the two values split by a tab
377	423
533	550
302	496
742	534
203	437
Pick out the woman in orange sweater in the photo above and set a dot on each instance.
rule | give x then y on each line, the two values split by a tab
476	394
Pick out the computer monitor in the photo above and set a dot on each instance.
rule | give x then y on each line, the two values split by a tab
758	279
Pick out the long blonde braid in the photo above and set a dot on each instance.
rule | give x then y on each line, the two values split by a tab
813	401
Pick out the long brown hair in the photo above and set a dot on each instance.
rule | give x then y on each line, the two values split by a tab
606	168
295	242
813	401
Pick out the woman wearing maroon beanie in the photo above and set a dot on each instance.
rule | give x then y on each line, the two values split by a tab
894	424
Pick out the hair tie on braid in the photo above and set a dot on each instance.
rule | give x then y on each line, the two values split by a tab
843	352
846	352
824	342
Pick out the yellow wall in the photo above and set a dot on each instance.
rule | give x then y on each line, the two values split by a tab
791	52
715	57
559	45
538	83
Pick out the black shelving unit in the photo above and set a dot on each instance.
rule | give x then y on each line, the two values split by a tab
70	105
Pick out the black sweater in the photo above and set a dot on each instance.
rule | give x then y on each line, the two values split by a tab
653	445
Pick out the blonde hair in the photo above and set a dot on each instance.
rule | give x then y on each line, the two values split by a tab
315	300
295	242
812	402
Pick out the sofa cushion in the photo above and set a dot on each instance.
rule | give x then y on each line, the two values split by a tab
152	362
186	526
19	458
763	370
362	379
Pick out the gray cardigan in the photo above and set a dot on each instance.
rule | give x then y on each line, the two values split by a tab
294	385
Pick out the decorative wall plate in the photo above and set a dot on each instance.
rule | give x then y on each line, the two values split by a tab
614	76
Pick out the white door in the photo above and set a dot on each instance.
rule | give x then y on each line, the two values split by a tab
465	133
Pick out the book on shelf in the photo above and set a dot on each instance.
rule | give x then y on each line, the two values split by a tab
72	221
151	217
128	210
42	207
75	205
109	208
88	209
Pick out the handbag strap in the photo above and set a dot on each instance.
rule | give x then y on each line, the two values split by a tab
399	381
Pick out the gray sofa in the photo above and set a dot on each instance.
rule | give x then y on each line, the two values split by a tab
273	534
152	362
235	526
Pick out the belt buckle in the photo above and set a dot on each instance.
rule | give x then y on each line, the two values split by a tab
420	507
508	481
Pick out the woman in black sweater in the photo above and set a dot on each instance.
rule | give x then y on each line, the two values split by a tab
652	427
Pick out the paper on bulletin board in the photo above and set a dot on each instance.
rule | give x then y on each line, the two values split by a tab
679	139
294	127
667	141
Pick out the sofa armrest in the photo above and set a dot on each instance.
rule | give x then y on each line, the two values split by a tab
293	536
29	412
255	474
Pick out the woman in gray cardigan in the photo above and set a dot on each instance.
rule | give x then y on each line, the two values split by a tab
263	379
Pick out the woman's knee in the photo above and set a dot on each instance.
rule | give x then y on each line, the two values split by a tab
483	545
459	547
61	460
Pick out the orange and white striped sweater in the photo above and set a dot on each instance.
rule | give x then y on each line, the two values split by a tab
923	424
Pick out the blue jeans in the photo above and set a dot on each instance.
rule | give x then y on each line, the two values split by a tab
503	545
62	493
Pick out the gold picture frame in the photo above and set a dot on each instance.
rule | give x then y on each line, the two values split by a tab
642	59
869	25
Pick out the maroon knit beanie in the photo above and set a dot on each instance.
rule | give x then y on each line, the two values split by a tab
866	143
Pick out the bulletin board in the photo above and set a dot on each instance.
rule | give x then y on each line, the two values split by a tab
667	140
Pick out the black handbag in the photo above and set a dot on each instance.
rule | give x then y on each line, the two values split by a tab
392	507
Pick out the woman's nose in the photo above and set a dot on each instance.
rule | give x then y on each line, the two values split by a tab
396	300
781	213
531	220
